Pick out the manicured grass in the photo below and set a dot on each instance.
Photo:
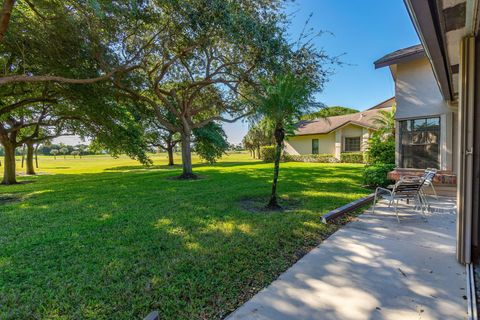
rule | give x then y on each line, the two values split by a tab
105	238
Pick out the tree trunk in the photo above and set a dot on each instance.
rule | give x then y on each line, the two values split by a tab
279	136
258	152
23	155
187	157
36	156
9	164
170	154
30	167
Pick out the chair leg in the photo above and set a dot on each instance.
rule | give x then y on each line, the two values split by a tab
422	200
395	203
374	203
423	209
434	191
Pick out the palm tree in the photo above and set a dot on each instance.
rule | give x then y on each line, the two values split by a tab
281	103
385	120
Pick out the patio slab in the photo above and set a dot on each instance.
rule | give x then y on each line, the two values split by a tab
373	268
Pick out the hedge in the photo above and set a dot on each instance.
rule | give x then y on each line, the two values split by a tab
376	175
351	157
380	151
267	153
322	158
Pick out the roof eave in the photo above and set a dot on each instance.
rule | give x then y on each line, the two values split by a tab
410	57
339	127
429	31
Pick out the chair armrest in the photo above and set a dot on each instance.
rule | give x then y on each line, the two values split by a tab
384	190
410	178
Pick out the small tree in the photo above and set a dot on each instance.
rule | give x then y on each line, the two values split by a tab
210	142
64	151
258	135
75	153
386	123
381	146
54	153
282	102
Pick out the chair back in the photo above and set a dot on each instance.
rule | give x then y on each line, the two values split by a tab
429	175
408	186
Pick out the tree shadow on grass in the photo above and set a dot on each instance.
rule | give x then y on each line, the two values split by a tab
144	242
223	164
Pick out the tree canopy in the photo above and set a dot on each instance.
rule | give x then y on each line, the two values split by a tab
329	112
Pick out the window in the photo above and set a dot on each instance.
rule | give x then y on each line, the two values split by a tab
314	146
419	143
352	144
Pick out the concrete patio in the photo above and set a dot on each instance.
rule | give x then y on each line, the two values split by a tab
373	268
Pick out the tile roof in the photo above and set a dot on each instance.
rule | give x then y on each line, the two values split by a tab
329	124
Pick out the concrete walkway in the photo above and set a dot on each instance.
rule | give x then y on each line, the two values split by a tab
373	268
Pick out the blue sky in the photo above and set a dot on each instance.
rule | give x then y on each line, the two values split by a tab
363	30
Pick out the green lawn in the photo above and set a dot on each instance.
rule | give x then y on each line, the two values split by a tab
103	238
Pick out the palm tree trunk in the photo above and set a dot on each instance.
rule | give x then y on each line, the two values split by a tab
279	136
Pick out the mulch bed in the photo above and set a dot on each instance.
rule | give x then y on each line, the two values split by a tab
9	198
258	204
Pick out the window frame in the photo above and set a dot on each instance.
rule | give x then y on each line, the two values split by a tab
410	123
359	144
317	146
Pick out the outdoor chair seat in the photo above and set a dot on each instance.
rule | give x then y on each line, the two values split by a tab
404	189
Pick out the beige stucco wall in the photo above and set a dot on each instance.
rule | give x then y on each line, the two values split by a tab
417	95
331	143
416	91
303	144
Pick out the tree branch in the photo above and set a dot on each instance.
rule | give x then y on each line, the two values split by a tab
21	103
219	118
5	15
32	79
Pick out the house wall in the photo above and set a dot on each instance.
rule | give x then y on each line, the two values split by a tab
417	95
303	144
331	143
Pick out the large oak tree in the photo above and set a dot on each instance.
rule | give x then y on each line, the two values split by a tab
201	56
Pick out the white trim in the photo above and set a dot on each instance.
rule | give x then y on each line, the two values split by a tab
471	292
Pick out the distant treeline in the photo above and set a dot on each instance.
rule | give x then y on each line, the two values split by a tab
61	148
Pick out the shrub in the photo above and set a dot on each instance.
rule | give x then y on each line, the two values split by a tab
351	157
267	153
380	151
321	158
376	175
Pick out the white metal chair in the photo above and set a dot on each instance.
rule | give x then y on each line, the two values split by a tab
429	174
427	177
404	189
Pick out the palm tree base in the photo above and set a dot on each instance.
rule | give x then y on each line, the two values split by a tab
273	204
